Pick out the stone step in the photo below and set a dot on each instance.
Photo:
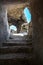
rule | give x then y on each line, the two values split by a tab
15	56
16	42
16	61
23	40
16	49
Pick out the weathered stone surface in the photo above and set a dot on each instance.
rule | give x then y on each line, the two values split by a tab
4	27
30	29
36	7
16	10
12	1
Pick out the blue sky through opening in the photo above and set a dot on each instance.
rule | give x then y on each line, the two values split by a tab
13	27
27	14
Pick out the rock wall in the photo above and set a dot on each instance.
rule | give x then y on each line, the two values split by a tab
4	27
16	10
30	29
36	8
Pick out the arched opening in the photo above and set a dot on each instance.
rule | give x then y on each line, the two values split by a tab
27	26
21	18
13	29
27	15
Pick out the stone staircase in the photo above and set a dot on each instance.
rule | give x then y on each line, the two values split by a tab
16	52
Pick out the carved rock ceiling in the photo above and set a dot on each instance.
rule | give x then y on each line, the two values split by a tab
16	10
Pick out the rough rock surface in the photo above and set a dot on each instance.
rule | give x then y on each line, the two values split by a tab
16	10
36	7
4	27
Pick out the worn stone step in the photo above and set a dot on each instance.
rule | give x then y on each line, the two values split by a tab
19	40
15	56
16	49
16	61
13	43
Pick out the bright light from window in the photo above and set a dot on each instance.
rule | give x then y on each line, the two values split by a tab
13	28
27	14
